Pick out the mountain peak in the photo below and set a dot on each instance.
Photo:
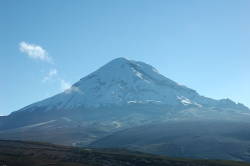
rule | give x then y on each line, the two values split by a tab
123	70
120	60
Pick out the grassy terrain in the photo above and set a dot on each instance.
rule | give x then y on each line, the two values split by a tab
20	153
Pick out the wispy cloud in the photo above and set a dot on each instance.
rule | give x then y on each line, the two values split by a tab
64	85
38	52
51	74
72	89
54	76
34	51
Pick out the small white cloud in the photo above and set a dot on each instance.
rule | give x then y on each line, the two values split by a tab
65	85
52	73
35	51
73	89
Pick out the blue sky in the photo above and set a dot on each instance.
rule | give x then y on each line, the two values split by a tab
47	45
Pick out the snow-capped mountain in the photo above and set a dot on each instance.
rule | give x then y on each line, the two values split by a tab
122	82
124	93
120	95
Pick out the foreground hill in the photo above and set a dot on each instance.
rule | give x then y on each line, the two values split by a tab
228	140
19	153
